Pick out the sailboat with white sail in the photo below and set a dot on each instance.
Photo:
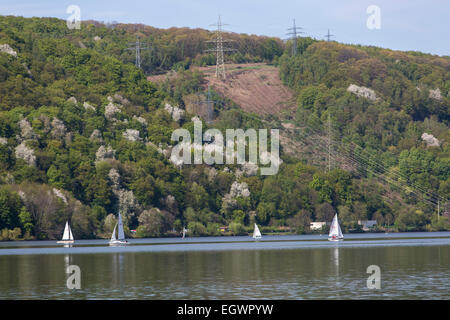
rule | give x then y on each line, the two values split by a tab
184	232
120	238
256	233
335	230
67	235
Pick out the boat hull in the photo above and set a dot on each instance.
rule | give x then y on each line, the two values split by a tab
336	240
118	243
65	241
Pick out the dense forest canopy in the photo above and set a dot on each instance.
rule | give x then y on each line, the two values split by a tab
168	48
84	135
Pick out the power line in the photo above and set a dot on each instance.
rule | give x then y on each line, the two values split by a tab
220	49
383	169
137	47
364	161
379	169
367	158
294	31
379	173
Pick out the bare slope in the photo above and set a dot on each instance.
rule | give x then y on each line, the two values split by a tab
256	87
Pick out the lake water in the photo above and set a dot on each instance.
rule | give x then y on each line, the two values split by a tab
412	266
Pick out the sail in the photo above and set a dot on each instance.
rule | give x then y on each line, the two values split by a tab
120	234
335	229
113	237
66	235
70	233
256	233
340	235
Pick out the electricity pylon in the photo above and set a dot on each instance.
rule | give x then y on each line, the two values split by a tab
209	114
328	35
294	31
329	142
137	47
219	49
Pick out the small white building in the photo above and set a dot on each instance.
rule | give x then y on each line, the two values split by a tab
367	224
317	225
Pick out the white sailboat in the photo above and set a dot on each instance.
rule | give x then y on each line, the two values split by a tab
120	239
335	230
67	235
256	233
184	232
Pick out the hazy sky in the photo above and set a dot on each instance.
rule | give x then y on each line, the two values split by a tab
404	24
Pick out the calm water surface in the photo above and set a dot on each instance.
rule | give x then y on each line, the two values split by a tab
413	266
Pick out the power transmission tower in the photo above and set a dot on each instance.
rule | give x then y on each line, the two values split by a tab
209	107
328	35
329	142
293	32
219	49
438	209
137	47
209	114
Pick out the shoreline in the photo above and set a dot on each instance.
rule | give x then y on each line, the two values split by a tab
173	236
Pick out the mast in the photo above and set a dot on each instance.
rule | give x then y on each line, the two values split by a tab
340	235
70	233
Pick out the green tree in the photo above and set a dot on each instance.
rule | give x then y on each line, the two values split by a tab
301	222
10	207
196	229
26	220
236	228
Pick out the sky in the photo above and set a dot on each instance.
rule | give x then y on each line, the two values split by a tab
418	25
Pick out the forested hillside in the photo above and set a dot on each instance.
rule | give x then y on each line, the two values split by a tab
172	48
84	135
388	112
